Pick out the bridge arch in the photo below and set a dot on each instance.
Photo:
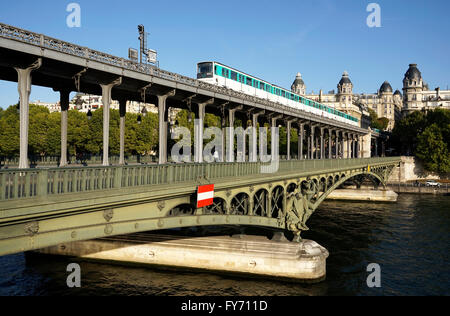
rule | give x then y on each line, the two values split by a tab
342	180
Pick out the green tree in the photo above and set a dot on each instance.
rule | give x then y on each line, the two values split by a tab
10	132
433	150
406	132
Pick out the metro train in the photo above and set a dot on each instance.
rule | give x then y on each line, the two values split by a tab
222	75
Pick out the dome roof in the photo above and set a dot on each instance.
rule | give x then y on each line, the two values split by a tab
298	80
413	72
344	79
386	87
397	92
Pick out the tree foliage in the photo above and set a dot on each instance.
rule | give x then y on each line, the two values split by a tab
427	136
376	122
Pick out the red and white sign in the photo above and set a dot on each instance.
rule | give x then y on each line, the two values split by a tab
205	195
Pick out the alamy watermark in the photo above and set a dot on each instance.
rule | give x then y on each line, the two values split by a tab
74	278
74	18
217	150
374	18
374	278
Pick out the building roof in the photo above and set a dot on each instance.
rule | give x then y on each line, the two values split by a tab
345	78
413	72
298	80
397	92
386	87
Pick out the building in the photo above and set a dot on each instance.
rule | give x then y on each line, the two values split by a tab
343	100
417	96
85	102
385	102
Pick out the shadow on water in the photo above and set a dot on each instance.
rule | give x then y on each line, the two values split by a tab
408	239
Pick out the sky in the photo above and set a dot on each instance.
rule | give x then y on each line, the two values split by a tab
272	40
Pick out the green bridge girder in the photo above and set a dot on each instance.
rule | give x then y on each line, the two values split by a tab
46	207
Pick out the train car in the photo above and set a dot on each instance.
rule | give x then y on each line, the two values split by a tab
225	76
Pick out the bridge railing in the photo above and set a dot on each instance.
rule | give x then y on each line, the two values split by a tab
43	41
42	182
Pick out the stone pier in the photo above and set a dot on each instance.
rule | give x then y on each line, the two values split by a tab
249	255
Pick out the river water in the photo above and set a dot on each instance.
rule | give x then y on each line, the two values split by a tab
408	239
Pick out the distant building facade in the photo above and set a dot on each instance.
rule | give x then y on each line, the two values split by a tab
385	103
417	95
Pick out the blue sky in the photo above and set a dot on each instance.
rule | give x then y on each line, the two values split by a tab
272	40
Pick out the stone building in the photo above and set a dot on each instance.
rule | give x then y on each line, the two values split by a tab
418	96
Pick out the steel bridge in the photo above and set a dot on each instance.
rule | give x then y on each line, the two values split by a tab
43	207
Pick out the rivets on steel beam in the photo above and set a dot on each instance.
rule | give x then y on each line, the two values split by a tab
32	228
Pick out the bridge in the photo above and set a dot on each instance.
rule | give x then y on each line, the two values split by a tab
41	207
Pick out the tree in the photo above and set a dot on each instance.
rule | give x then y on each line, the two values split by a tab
406	132
433	150
10	132
376	122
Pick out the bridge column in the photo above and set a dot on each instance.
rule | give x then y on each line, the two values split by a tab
322	145
274	151
330	143
354	154
24	88
162	109
312	141
288	140
198	149
64	102
106	100
300	141
122	112
344	145
230	138
254	152
337	144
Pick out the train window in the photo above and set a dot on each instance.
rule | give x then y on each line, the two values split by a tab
283	94
248	81
234	75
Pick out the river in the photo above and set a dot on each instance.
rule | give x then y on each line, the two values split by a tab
408	239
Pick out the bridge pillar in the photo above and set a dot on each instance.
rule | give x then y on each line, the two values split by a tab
344	145
354	153
254	152
300	141
106	100
322	145
288	140
312	141
337	144
122	112
162	152
230	136
330	143
64	102
24	88
198	134
366	145
308	156
274	150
